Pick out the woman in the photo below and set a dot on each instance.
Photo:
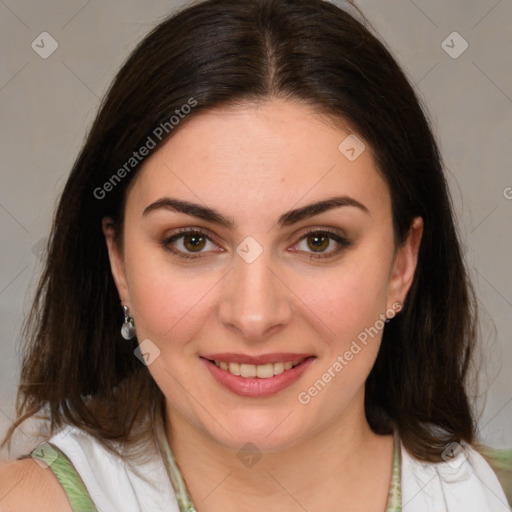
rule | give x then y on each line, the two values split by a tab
254	296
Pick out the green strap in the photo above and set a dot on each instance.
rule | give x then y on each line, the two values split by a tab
395	490
394	503
66	474
174	473
499	459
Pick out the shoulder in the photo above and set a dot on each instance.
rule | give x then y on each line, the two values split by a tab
85	474
110	480
27	486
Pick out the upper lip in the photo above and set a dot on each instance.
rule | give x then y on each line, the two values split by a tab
276	357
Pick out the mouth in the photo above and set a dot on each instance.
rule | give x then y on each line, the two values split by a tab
260	371
257	376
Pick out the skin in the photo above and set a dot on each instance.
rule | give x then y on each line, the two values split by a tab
25	486
252	163
266	158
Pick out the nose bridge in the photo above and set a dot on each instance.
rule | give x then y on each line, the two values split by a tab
255	300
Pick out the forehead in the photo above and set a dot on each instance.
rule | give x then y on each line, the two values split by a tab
260	158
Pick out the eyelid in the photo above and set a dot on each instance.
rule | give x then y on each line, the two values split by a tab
322	229
192	229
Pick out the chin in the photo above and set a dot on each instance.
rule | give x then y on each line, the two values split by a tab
268	432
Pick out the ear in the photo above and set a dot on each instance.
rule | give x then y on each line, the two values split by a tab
405	263
116	259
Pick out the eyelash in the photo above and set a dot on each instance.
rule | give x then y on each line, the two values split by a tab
343	242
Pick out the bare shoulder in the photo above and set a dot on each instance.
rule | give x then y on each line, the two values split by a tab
27	486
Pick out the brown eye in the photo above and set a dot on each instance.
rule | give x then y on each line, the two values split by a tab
194	242
318	242
188	243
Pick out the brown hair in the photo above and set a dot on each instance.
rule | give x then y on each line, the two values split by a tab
76	366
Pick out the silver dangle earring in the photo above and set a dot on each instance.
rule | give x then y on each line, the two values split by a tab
128	327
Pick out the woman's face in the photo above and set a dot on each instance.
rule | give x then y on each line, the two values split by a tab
249	284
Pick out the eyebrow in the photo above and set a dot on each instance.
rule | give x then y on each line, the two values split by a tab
287	219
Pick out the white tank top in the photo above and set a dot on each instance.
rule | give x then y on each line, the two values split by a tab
466	483
112	484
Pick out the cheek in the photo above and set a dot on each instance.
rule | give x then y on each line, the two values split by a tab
351	304
168	300
348	300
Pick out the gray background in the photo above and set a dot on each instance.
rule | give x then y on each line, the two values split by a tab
48	104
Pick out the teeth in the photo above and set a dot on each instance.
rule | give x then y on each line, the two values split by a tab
248	370
278	368
262	371
265	371
234	368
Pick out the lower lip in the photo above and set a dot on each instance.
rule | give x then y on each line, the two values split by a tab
254	386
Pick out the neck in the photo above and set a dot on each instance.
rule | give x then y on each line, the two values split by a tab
343	467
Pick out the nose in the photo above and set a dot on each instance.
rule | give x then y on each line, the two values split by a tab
255	301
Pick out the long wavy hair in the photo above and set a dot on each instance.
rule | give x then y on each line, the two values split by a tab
78	370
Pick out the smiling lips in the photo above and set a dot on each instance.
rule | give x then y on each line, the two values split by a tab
263	367
257	376
262	371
